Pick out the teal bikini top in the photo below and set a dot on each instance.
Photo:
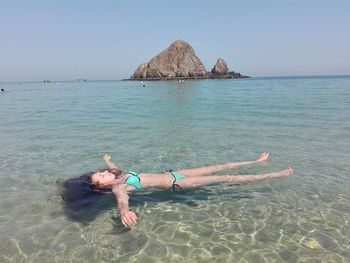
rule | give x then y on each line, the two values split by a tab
134	180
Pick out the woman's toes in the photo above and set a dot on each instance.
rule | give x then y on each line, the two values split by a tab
264	156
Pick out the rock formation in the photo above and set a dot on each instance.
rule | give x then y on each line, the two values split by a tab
220	68
179	61
221	71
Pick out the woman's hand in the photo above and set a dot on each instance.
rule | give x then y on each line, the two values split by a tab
128	218
106	157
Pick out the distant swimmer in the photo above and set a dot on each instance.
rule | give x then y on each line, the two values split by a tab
122	183
2	90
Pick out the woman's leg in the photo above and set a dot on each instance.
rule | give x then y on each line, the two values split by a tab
198	181
211	169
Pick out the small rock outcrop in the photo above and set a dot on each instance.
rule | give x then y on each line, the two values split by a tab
177	61
221	71
220	68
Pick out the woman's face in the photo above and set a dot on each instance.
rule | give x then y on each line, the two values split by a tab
102	178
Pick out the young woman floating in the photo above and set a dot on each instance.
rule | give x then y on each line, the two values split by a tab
121	183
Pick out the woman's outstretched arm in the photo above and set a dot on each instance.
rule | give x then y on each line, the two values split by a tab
110	165
128	218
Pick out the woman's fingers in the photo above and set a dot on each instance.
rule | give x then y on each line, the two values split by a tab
106	157
124	223
133	217
129	219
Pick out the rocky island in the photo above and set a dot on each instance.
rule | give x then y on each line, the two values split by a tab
180	62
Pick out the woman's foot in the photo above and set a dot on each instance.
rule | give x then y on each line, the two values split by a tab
282	173
263	157
287	171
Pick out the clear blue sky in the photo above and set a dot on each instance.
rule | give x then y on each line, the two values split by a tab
65	40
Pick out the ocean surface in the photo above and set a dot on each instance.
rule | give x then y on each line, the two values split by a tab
50	133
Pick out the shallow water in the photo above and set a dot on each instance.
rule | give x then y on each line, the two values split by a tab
55	132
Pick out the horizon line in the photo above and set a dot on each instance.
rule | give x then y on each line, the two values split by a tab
251	77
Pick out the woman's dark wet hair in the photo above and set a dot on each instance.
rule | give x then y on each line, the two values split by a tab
78	193
91	184
81	192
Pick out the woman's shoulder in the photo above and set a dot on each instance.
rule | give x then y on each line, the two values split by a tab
122	187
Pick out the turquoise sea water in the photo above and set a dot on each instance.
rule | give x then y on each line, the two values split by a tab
55	132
